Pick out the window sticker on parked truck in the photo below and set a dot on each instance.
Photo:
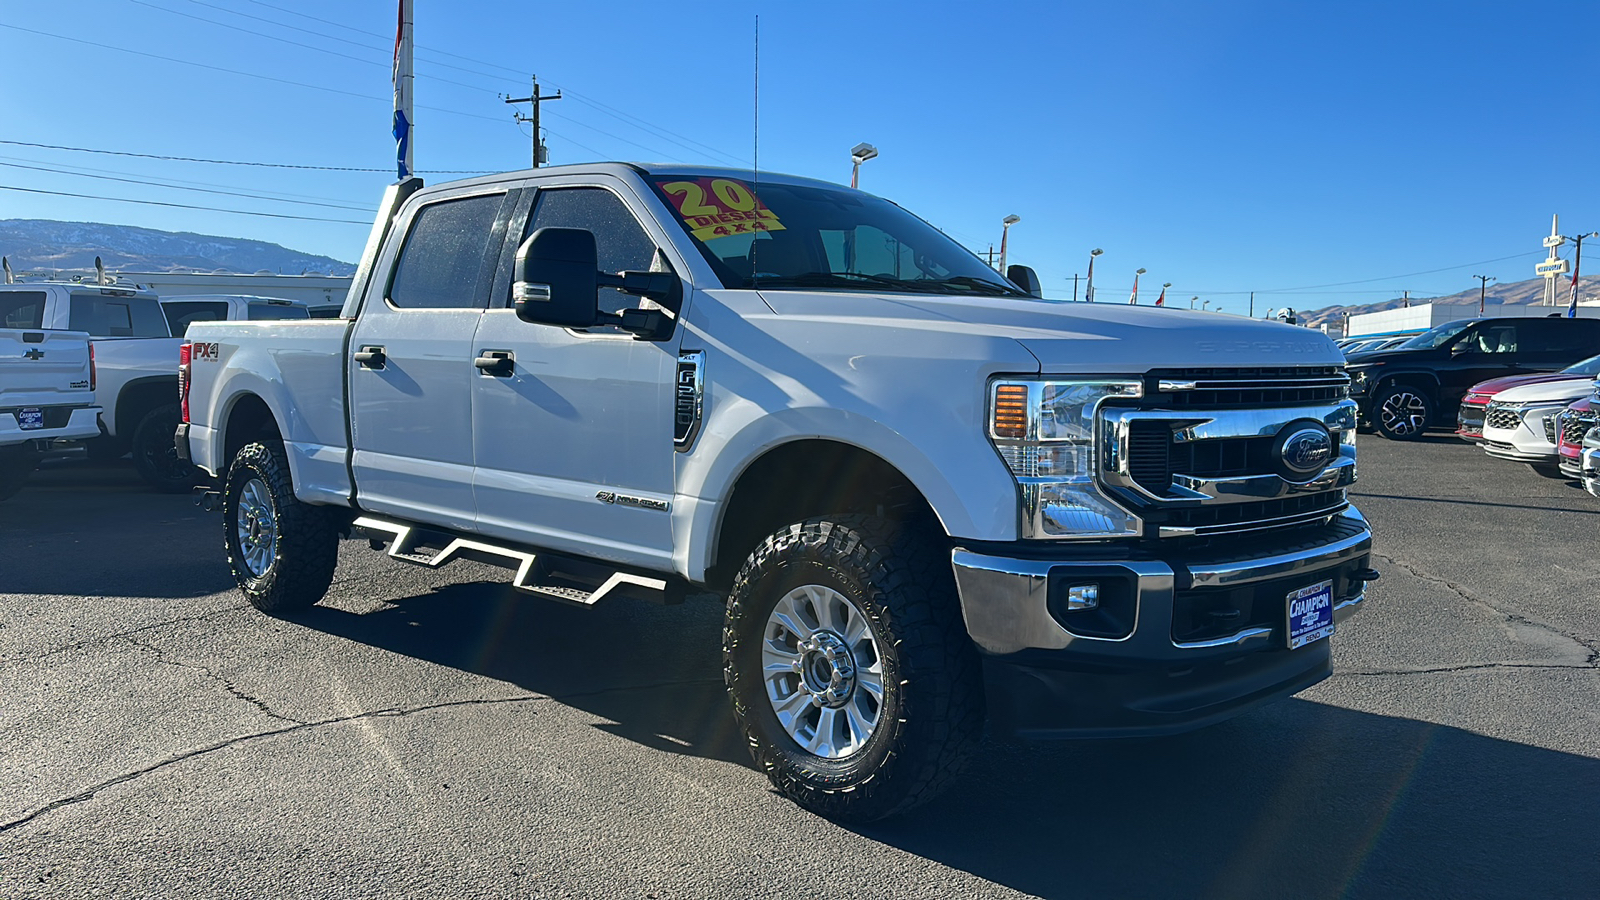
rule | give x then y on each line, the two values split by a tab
718	207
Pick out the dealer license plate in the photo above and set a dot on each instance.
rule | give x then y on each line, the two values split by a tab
1310	614
30	418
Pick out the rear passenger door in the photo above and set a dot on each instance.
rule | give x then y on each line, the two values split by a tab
574	440
410	376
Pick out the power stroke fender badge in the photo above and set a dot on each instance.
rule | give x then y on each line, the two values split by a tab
1303	449
636	502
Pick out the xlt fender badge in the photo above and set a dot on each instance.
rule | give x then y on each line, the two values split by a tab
625	500
688	398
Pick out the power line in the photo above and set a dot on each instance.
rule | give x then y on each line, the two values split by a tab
235	162
237	212
174	187
626	118
166	182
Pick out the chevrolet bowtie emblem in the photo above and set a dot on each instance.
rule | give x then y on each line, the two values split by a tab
34	354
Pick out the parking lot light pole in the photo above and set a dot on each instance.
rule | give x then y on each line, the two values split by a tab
1005	229
1088	290
1191	301
859	154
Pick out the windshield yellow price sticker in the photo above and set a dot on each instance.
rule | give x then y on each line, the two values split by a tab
719	207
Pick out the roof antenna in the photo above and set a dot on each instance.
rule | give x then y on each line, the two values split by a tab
99	271
6	264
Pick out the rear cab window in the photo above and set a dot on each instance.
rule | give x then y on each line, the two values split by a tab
180	315
22	309
260	312
114	316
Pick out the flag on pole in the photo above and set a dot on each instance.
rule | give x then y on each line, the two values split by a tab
402	90
1133	298
1162	300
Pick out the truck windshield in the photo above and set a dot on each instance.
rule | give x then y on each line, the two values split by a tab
776	236
1437	336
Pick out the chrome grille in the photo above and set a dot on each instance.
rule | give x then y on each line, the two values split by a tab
1470	419
1501	417
1575	423
1246	388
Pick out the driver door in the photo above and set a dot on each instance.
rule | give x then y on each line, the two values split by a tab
573	441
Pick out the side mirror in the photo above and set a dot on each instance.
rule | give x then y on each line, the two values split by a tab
1461	348
557	279
1027	279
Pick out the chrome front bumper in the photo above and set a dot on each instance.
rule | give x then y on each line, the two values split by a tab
1045	680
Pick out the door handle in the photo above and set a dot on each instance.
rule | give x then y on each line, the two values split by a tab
370	357
499	363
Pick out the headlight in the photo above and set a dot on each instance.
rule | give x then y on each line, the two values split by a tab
1045	431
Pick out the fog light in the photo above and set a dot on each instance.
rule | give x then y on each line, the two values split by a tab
1083	596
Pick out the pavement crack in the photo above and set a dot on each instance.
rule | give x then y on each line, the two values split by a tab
1461	667
1593	660
105	638
384	713
226	682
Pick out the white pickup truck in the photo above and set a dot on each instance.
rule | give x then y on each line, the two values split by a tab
136	359
928	497
46	389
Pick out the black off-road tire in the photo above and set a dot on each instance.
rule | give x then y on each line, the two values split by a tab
155	455
1419	412
932	711
305	549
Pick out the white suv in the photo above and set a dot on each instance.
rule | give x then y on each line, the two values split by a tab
1519	424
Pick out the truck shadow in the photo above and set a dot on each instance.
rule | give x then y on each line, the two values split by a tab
1301	799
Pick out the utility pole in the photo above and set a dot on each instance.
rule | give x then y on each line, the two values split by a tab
1074	287
1252	304
991	256
1483	288
540	155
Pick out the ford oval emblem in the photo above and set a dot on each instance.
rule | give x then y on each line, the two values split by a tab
1306	451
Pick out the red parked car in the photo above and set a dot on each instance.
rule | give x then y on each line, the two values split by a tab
1469	420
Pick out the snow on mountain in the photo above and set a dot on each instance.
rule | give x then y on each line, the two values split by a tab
44	246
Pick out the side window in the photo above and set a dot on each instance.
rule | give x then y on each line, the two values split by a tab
619	239
22	309
1498	338
443	257
1562	336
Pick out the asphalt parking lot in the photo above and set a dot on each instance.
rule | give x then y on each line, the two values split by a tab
434	734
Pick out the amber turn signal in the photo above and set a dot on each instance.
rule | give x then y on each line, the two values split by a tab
1010	411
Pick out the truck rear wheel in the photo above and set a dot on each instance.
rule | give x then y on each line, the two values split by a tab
156	456
850	669
282	552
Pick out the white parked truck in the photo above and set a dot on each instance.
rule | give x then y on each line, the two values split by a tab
929	497
136	361
46	389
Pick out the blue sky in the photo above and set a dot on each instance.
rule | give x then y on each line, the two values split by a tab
1225	147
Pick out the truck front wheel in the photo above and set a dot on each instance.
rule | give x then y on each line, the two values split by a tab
282	552
851	673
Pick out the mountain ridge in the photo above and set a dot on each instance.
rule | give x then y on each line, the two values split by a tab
48	247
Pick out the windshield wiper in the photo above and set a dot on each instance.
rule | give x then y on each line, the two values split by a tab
810	279
980	285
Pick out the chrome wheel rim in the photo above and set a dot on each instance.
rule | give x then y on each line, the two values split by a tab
257	527
1404	413
823	672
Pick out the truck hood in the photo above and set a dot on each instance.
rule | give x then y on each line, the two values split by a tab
1563	391
1102	338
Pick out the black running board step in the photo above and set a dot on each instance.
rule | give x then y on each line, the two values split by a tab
406	544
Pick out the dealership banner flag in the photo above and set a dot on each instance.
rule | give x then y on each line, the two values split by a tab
402	90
